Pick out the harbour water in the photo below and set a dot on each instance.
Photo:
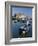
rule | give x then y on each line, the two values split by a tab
15	29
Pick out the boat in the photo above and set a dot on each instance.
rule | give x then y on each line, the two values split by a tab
24	28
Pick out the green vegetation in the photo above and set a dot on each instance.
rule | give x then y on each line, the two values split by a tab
13	18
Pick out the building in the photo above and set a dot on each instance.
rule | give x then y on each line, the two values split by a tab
22	16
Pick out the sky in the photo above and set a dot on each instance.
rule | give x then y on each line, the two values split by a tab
24	10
